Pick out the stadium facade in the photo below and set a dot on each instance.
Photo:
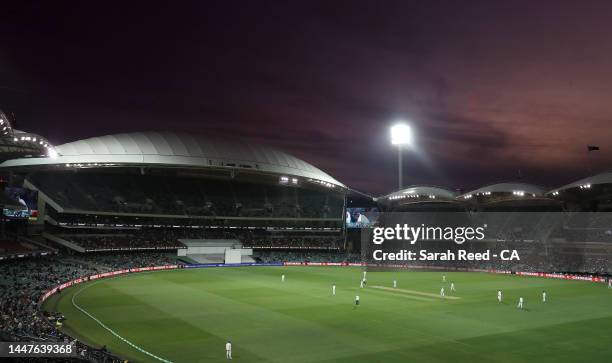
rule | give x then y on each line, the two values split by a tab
201	188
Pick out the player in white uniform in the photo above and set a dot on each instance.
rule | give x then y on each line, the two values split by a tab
228	350
543	296
442	292
283	278
609	283
394	284
499	296
520	303
334	290
356	300
443	278
452	286
364	274
361	283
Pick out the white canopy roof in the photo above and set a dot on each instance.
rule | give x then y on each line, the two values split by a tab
601	178
424	190
509	188
176	149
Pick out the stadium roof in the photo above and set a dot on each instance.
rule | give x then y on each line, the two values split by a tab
601	178
16	144
175	149
509	188
424	191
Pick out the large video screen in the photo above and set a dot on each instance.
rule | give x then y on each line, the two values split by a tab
361	217
24	197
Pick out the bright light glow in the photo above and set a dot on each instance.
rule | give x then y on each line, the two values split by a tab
52	153
401	134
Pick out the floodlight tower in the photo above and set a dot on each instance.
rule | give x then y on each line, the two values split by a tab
401	134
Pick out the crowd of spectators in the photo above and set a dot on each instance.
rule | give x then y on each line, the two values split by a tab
306	256
116	261
295	242
23	282
161	239
11	246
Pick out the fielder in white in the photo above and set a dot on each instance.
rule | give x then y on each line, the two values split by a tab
499	296
361	284
334	290
282	278
520	303
394	284
609	283
442	292
228	350
543	296
452	286
443	278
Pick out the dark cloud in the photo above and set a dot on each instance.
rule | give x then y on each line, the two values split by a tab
495	90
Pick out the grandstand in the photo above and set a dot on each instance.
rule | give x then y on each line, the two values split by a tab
149	190
593	194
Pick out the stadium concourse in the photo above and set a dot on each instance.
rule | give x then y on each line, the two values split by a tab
141	199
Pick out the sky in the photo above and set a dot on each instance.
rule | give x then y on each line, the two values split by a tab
494	90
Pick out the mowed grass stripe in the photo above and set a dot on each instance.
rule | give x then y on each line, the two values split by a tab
419	293
403	295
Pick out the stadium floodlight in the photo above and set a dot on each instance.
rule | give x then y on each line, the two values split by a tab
401	134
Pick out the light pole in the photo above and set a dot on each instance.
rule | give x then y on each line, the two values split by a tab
401	134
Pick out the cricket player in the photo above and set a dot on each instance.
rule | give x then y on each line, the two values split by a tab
609	283
520	304
361	283
228	350
499	296
442	292
364	274
283	278
334	290
394	284
452	286
356	300
543	296
443	278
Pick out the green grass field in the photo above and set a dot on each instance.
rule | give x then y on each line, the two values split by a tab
187	315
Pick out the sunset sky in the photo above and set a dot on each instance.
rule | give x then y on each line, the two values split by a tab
495	90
